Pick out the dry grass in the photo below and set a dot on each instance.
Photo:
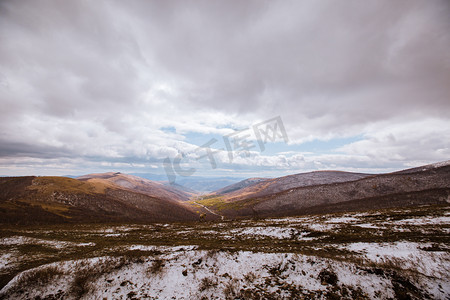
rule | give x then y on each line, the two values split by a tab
37	277
207	283
250	277
52	207
51	184
40	276
156	267
232	289
86	271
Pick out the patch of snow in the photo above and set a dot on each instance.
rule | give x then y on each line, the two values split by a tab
359	215
7	260
289	220
24	240
342	220
440	164
269	231
162	248
119	229
322	227
90	244
425	221
371	226
408	255
114	234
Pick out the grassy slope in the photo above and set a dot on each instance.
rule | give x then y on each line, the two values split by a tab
28	200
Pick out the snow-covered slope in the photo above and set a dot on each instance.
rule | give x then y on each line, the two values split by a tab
397	254
183	273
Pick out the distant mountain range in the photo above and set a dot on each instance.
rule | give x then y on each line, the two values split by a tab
190	184
194	183
117	197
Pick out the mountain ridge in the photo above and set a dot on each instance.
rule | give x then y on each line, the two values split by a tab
118	197
433	180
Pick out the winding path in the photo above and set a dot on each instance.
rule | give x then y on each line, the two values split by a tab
214	213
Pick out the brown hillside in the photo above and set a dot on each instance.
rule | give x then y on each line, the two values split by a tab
31	200
426	185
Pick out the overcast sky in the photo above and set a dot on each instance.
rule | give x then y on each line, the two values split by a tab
96	86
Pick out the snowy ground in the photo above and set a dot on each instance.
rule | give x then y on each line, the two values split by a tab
373	255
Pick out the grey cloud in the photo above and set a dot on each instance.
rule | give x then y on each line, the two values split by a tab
125	69
17	149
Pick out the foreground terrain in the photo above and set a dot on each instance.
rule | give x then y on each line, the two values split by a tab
377	254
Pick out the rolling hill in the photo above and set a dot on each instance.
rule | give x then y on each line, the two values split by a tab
259	187
140	185
331	191
43	200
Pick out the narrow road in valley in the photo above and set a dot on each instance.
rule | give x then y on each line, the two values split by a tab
214	213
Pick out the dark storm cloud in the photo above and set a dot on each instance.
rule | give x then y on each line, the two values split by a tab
294	50
99	78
